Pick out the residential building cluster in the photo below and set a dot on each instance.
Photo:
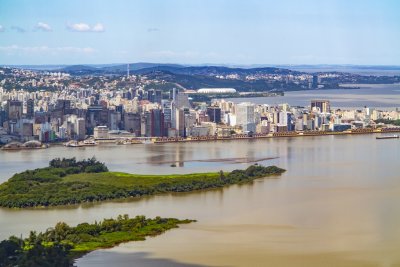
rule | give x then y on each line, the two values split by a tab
135	112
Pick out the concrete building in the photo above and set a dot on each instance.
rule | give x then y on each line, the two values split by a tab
324	106
245	117
214	114
101	132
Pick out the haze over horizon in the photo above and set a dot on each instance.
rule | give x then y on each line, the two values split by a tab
196	32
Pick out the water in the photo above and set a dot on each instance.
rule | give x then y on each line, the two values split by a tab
336	205
374	96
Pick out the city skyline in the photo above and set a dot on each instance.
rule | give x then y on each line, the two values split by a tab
200	32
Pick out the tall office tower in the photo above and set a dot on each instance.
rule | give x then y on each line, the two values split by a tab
158	96
323	105
167	119
127	70
114	120
180	122
172	93
214	114
151	95
2	116
157	122
245	117
285	119
80	129
181	100
132	123
30	108
315	81
14	109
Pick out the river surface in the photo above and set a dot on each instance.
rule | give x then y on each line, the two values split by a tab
372	95
337	204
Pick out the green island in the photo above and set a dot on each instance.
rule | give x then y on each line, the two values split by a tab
59	246
68	181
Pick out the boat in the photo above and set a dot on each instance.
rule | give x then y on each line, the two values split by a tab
89	142
73	144
388	137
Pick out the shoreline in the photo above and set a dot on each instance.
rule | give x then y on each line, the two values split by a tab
162	140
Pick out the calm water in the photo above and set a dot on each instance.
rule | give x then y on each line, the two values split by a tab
378	96
336	204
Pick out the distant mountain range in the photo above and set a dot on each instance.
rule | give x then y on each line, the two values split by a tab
209	69
148	68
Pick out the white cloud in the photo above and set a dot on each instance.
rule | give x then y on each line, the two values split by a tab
2	29
84	27
43	26
13	49
98	28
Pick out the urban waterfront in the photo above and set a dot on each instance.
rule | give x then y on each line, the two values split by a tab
336	203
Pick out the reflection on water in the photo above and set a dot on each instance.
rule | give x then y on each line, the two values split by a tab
142	259
337	204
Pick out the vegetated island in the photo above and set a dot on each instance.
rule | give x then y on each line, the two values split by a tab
59	246
68	181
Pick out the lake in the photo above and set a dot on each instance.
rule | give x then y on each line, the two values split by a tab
337	203
374	96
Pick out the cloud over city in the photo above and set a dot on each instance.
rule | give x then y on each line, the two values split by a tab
84	27
12	49
43	27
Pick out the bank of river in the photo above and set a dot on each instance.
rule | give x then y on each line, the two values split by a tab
337	204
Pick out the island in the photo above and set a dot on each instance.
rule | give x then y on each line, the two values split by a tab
68	181
62	244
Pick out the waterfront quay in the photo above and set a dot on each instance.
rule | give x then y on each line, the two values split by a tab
157	140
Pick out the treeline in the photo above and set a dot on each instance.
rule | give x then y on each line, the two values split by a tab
59	246
385	121
89	165
57	169
57	186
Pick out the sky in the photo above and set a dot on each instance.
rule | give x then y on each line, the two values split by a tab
246	32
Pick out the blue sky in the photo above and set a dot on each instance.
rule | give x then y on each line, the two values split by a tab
200	31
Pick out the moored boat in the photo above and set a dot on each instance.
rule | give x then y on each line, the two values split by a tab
388	137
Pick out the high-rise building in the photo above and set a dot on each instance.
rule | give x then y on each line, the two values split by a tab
214	114
167	119
180	122
132	123
245	117
30	108
285	119
181	100
151	95
14	109
80	129
323	105
158	96
315	81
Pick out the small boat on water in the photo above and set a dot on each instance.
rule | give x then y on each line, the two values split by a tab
89	142
73	144
388	137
